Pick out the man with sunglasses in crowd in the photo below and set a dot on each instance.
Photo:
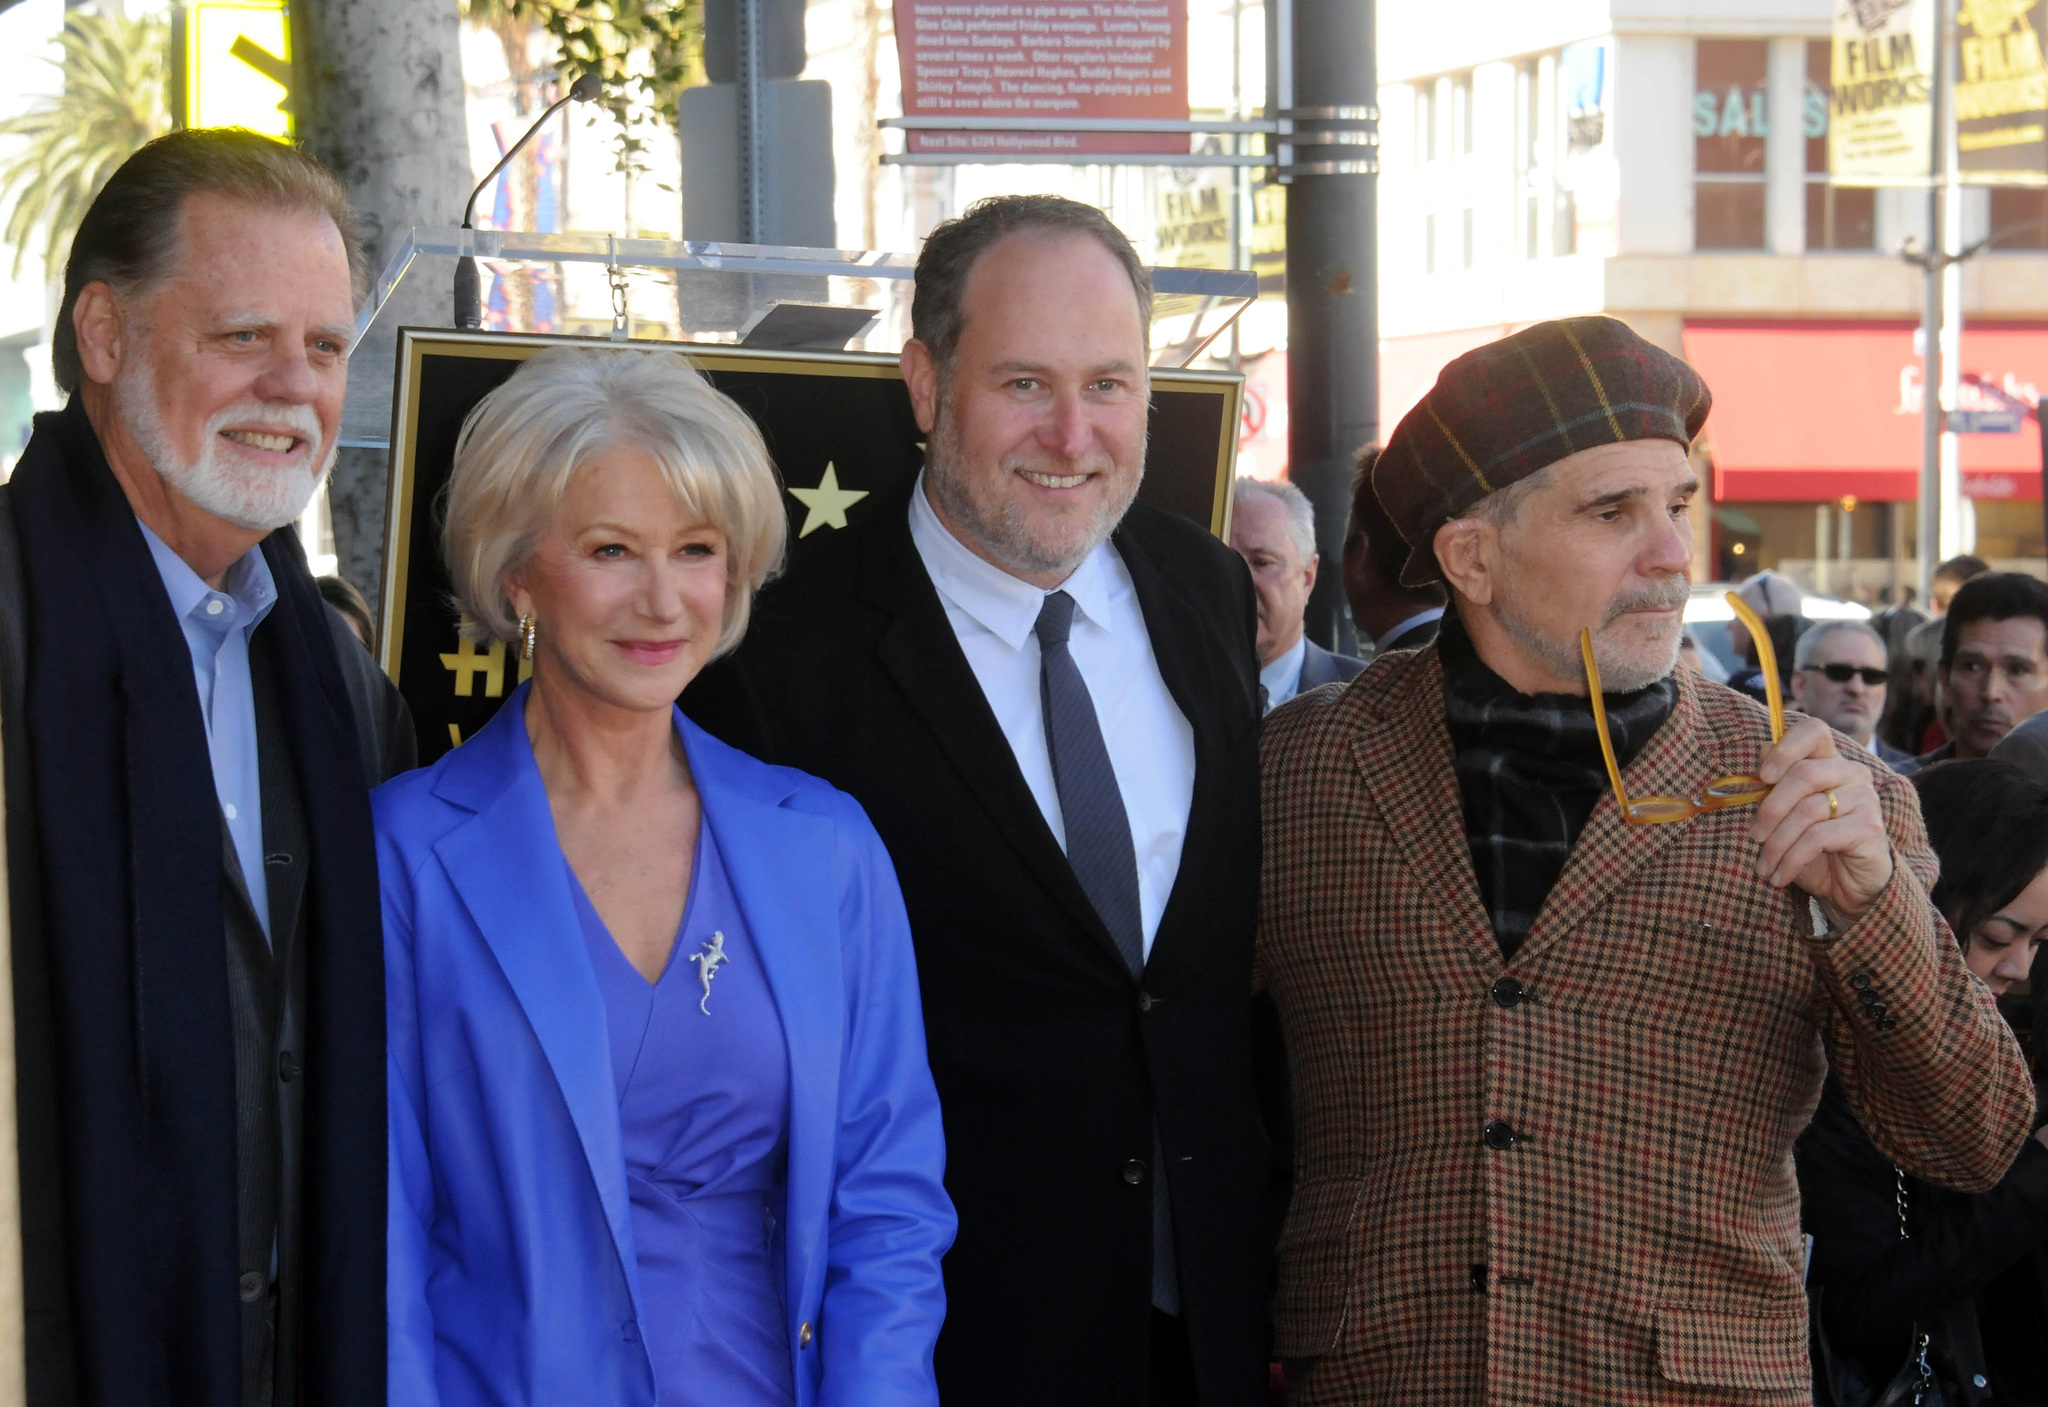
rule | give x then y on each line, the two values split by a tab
1839	672
1551	1048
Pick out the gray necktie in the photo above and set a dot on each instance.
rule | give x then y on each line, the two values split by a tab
1103	858
1098	829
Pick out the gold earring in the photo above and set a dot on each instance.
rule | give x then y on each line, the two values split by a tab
526	634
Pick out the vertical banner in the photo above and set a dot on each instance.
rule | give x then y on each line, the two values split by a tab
1880	132
1043	58
1193	218
2002	92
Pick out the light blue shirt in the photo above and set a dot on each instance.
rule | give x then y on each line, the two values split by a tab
217	627
1282	678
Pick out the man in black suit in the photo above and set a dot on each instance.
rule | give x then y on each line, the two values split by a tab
1047	699
1273	527
1397	617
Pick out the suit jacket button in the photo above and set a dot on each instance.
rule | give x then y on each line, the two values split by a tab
1859	980
629	1331
286	1066
1500	1135
1886	1024
803	1334
1144	1001
1508	992
1134	1172
251	1286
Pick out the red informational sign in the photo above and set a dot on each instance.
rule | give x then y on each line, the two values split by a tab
1043	58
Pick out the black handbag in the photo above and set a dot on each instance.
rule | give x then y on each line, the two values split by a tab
1927	1378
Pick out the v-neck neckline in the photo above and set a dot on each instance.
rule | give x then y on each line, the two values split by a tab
583	902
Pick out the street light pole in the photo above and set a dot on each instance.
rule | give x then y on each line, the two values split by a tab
1332	278
1934	262
1950	536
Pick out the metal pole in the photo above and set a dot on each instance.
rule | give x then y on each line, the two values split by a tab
1950	538
753	221
1929	517
1332	284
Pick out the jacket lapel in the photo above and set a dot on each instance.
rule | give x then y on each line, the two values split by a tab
1610	851
780	862
923	655
509	871
1405	757
1174	626
1316	668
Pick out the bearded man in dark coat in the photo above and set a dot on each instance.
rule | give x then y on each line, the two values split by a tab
191	734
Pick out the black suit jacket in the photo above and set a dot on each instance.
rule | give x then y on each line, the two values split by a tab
1052	1060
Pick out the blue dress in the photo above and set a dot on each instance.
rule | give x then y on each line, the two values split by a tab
702	1073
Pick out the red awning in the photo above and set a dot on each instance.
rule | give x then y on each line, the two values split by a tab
1807	412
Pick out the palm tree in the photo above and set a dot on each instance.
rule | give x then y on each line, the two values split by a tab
113	102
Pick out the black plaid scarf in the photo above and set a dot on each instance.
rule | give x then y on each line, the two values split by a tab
1529	774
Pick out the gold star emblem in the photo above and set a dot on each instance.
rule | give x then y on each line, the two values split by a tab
827	503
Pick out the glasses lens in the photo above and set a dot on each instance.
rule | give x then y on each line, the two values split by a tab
1660	810
1843	673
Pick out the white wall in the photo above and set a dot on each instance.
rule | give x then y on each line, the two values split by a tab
1418	37
1736	19
1653	82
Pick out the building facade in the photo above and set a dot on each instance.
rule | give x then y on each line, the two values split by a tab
1666	163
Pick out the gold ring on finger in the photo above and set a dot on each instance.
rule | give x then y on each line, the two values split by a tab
1834	806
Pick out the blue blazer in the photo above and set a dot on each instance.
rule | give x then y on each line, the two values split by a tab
513	1278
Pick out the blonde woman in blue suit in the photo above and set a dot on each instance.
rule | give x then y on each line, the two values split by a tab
662	1129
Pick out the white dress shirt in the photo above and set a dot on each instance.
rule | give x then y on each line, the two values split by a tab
1282	678
1151	744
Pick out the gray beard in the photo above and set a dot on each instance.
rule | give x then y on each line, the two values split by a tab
1005	537
262	503
1562	657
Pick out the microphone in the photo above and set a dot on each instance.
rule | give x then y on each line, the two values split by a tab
468	291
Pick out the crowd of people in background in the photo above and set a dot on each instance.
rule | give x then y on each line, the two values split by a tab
1022	968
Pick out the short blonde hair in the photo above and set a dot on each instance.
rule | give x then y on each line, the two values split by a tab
524	441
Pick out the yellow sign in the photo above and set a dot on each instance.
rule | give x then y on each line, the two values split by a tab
1194	220
238	67
2002	92
1879	129
1269	238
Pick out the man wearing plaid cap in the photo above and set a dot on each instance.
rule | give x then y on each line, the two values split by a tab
1549	1062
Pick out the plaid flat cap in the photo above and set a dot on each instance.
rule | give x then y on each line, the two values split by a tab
1503	411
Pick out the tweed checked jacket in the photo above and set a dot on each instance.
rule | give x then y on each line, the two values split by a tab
1646	1061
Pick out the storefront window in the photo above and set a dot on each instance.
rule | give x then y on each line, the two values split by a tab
2019	217
1728	144
1837	217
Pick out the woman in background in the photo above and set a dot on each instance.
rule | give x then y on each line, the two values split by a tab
1972	1272
661	1123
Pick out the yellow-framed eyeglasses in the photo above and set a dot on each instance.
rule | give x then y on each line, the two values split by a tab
1740	790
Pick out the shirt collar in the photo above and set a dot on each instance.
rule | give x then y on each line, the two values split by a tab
1433	613
1002	604
250	585
1282	678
